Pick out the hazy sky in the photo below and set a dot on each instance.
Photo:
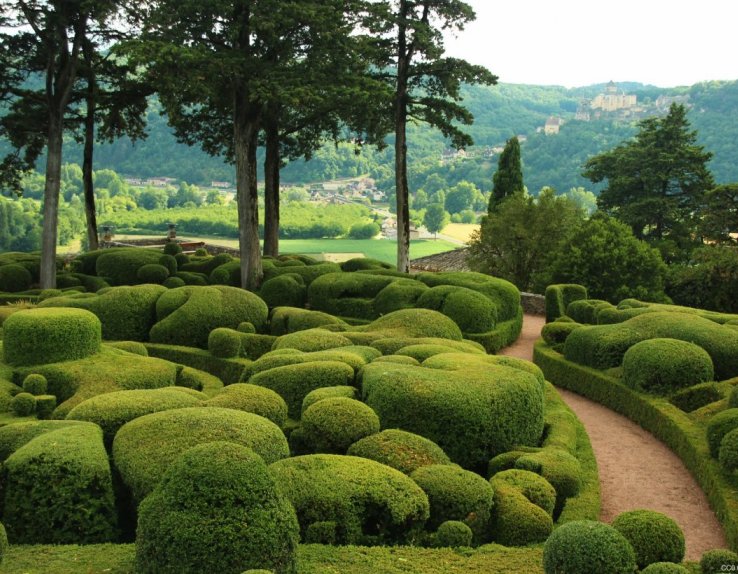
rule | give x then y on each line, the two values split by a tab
580	42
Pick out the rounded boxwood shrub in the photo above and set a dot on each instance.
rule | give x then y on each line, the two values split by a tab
286	320
172	248
662	366
52	335
169	262
252	399
66	281
14	278
23	404
453	534
398	359
120	265
585	547
173	282
733	398
695	397
728	453
130	347
664	568
718	426
227	274
328	393
311	340
145	447
470	310
35	384
401	294
556	333
287	290
239	521
399	449
45	405
152	273
424	351
654	536
531	485
456	494
718	561
224	343
333	424
368	503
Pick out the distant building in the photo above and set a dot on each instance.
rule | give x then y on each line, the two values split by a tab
160	181
220	184
613	99
553	124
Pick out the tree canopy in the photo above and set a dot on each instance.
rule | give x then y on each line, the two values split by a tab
508	178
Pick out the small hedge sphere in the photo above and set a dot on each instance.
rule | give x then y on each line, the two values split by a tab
719	426
224	343
14	278
217	509
452	534
664	568
23	404
332	425
662	366
586	547
35	384
252	399
728	453
399	449
718	561
152	273
654	536
172	248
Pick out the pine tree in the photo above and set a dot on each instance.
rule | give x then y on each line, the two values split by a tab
508	179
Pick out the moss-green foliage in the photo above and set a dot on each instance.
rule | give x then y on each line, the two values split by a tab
110	370
172	248
294	382
585	310
37	336
399	449
471	414
462	361
347	294
23	404
308	272
224	343
286	320
400	360
423	351
363	263
92	283
45	406
58	489
227	274
355	356
134	347
152	273
228	371
453	534
110	411
311	340
584	547
654	536
254	345
695	397
121	264
556	333
239	521
662	366
14	436
188	314
728	453
456	494
194	279
206	265
716	561
3	543
14	278
720	425
412	323
516	520
334	424
173	282
169	262
472	311
400	294
369	503
603	346
328	393
664	568
252	399
288	290
558	467
532	486
391	345
126	313
145	447
558	298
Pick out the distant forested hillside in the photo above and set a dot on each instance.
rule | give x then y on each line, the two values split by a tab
501	112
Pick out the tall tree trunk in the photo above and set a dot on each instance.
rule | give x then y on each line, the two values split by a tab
87	159
401	187
51	200
271	186
245	137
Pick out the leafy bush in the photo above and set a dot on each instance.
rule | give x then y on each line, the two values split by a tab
227	274
364	263
556	333
328	393
144	448
559	297
172	248
110	411
206	265
239	521
23	404
333	424
695	397
584	547
456	494
472	311
662	366
224	343
716	561
152	273
294	382
192	278
45	406
720	425
3	543
422	352
286	320
411	323
453	534
664	568
173	282
347	294
363	231
654	536
252	399
399	449
728	453
308	272
367	502
531	485
14	278
400	294
37	336
121	264
311	340
286	290
169	262
516	520
58	489
130	347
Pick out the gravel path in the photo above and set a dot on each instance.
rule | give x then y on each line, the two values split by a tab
636	469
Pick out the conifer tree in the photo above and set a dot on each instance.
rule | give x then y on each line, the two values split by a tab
508	179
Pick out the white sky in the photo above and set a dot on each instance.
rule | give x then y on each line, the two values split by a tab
581	42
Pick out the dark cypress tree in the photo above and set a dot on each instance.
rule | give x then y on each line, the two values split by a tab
509	176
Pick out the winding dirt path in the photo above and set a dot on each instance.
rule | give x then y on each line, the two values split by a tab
636	469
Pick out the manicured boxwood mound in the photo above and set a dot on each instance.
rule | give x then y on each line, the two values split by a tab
654	536
470	310
334	424
240	521
57	488
38	336
347	294
252	399
471	414
144	448
110	411
285	320
355	356
523	507
400	294
14	278
311	340
350	500
559	297
121	264
399	449
284	290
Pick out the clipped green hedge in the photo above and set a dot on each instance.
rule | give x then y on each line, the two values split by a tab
470	310
715	561
240	521
286	290
695	397
308	272
152	273
399	449
334	424
518	520
58	488
14	278
144	448
286	320
559	297
39	336
347	294
354	500
227	370
311	340
654	536
453	534
400	294
328	393
252	399
120	265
